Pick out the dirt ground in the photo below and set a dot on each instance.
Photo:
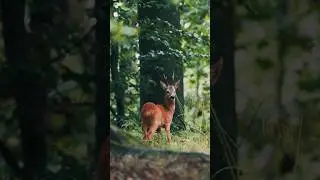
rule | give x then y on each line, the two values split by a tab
169	167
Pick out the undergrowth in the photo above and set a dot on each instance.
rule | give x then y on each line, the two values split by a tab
196	137
185	141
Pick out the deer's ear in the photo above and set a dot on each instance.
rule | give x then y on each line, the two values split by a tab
176	85
163	85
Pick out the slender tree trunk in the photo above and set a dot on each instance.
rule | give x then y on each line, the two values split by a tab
197	103
287	162
102	114
152	68
118	84
280	69
224	152
30	93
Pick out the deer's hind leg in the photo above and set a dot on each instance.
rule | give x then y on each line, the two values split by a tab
151	131
159	134
145	131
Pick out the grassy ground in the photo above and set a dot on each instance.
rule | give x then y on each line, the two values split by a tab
164	166
185	141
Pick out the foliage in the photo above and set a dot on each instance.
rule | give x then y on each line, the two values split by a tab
60	46
194	50
263	139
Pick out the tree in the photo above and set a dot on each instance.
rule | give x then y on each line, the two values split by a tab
117	84
158	41
30	92
281	53
102	129
223	128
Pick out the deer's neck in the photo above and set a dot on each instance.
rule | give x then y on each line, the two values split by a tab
170	105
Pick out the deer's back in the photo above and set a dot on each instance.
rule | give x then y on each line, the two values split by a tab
151	112
149	109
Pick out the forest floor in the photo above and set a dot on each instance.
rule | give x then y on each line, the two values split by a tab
170	167
164	166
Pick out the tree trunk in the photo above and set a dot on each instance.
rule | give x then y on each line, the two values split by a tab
30	93
118	87
154	67
101	77
223	149
280	69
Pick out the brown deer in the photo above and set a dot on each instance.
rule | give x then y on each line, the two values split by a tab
157	116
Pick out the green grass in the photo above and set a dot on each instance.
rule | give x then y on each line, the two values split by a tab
185	141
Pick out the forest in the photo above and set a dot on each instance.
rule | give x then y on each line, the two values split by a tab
263	113
132	55
153	41
52	86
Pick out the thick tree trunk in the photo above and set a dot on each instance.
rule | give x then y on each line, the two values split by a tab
30	92
223	149
154	67
102	113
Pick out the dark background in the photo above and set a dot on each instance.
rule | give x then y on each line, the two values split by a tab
53	86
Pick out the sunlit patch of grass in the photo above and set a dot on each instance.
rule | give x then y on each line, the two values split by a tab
189	142
183	141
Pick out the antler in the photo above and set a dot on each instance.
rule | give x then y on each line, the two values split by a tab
165	78
173	75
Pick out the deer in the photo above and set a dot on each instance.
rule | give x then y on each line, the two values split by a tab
157	116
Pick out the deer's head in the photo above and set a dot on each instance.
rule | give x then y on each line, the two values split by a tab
170	90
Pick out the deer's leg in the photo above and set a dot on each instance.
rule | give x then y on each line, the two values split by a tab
168	133
159	134
151	131
145	131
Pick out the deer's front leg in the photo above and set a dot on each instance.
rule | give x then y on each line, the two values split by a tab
168	133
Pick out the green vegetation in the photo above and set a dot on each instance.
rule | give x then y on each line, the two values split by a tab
51	134
194	52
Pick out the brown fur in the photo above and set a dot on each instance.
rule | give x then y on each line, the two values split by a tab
156	116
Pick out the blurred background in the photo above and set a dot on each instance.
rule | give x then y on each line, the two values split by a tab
47	114
277	88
